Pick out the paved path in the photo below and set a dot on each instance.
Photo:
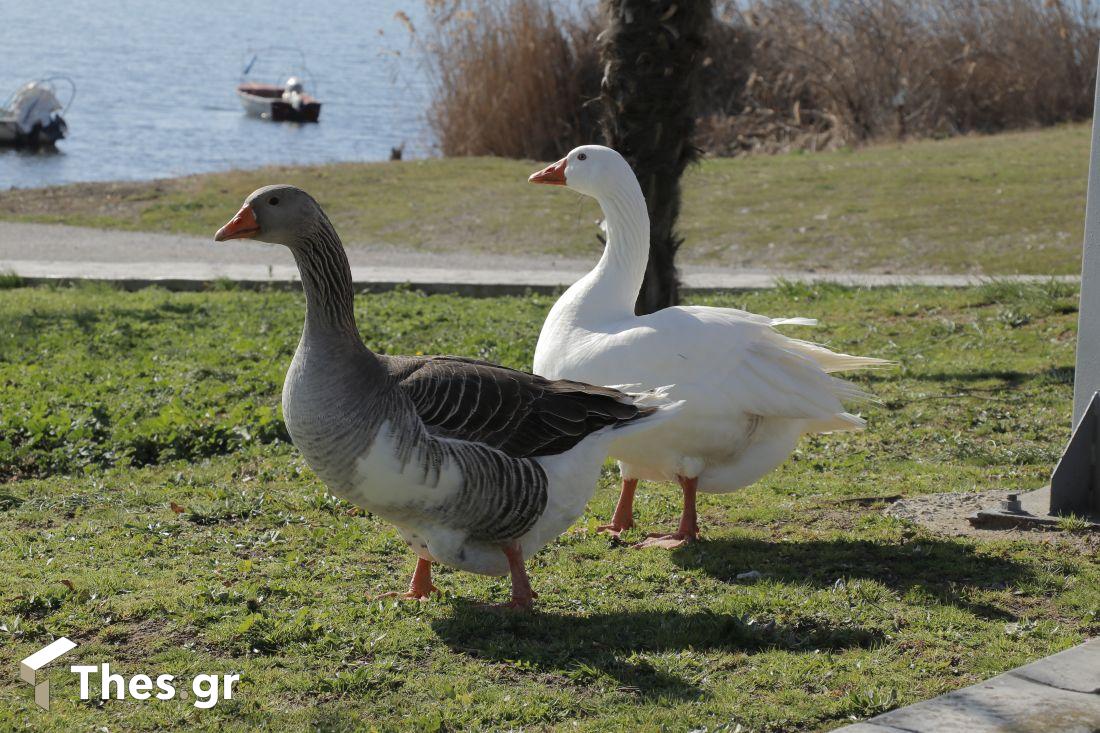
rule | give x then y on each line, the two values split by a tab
49	252
1057	694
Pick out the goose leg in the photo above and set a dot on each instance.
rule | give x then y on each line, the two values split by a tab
420	587
688	531
522	595
623	519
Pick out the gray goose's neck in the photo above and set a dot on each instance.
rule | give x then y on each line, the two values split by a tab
326	280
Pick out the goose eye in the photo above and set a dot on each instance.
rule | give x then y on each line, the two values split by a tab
274	201
582	156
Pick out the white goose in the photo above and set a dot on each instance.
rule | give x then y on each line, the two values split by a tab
477	465
750	393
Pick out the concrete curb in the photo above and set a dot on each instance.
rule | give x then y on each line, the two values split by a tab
1057	694
196	276
60	254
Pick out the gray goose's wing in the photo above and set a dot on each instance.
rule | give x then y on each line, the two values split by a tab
521	414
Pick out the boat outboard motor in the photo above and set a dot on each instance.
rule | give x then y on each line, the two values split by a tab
293	91
34	106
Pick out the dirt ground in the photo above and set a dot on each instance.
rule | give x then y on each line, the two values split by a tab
947	513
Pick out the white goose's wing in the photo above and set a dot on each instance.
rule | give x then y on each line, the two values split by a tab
742	360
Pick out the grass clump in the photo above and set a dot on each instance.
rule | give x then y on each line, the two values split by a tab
1073	523
237	560
9	279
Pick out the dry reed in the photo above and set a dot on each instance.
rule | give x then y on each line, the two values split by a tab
508	78
513	78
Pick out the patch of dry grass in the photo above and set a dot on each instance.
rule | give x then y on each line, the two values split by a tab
998	204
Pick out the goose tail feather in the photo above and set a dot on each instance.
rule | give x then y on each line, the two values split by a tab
834	361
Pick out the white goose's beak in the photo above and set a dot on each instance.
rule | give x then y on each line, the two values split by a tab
553	175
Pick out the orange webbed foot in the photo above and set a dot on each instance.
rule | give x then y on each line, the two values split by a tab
688	529
614	530
623	519
520	602
420	587
667	541
412	594
523	597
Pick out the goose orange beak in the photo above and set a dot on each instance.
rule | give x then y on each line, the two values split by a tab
553	175
241	226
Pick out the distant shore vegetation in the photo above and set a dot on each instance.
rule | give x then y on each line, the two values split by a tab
520	78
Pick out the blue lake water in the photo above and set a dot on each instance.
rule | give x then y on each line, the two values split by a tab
155	84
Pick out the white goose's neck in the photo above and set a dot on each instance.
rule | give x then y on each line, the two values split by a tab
613	285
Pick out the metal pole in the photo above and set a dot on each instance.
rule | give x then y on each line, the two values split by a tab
1086	381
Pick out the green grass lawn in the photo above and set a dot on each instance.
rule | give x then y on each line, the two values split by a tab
152	511
1010	203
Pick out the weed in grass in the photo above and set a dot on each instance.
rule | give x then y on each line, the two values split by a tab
223	285
871	701
1073	523
1013	318
797	290
230	507
9	501
9	279
1020	301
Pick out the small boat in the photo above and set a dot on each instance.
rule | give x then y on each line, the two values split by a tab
285	102
31	117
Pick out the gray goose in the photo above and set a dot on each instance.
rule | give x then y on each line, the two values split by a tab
477	465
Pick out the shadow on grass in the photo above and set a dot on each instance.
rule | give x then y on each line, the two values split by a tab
1062	374
1011	376
948	572
584	647
188	317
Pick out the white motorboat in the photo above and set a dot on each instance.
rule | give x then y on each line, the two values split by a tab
286	101
32	116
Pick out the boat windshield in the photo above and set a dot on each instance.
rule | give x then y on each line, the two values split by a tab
281	66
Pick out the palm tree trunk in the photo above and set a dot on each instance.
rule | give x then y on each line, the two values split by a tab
652	53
